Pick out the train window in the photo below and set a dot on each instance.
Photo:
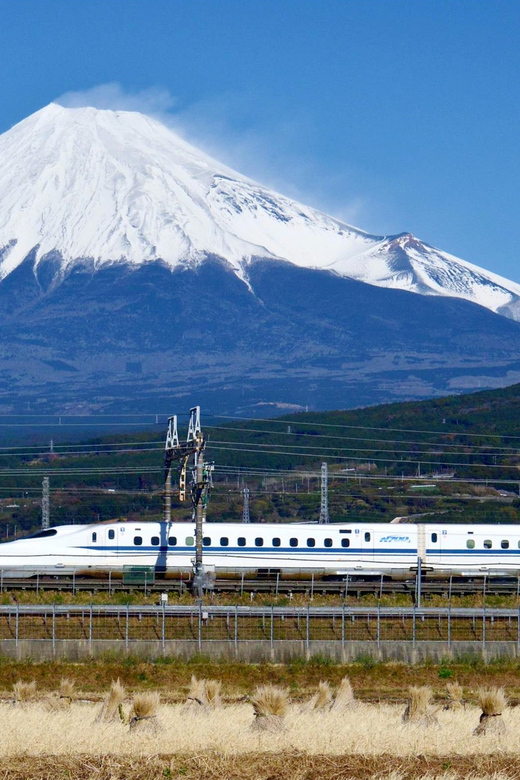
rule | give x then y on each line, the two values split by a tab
504	544
470	544
241	541
488	544
94	537
111	534
327	542
53	532
293	541
155	541
138	540
259	542
345	542
277	541
224	541
434	537
311	542
190	541
206	541
344	531
172	541
367	537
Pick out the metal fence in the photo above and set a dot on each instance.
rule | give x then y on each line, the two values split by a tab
201	625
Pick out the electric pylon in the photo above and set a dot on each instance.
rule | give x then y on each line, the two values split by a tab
45	503
245	510
324	508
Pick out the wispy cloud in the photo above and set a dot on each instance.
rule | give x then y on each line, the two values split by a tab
275	150
155	100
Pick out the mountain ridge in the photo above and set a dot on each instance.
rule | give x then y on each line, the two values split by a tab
101	187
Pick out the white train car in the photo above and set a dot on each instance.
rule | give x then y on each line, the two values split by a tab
293	551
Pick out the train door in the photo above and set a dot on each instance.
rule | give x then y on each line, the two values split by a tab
98	541
111	541
434	539
366	542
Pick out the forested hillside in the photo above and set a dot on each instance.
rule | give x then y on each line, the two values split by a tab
453	459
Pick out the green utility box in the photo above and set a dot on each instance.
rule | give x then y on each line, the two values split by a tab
138	575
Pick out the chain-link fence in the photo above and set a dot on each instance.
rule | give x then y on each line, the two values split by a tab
203	625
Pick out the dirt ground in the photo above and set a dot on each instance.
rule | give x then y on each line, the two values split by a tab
260	766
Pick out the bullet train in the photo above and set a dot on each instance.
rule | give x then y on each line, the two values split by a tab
292	551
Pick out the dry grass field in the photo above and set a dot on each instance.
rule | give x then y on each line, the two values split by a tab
66	730
366	730
43	740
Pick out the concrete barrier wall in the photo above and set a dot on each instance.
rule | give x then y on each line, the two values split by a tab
257	652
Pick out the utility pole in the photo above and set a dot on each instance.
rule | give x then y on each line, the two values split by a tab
200	484
45	503
199	511
245	510
324	508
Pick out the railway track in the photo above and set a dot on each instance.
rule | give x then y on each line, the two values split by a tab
343	587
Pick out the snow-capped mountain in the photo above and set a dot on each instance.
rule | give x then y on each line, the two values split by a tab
82	186
137	273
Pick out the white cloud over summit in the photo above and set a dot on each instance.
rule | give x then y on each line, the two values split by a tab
154	100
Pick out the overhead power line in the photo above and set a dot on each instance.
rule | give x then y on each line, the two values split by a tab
298	434
159	418
285	421
297	449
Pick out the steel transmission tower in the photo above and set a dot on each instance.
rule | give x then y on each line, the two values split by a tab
245	511
324	508
45	503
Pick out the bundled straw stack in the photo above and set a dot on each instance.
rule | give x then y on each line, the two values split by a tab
143	716
270	705
321	701
324	700
112	707
204	694
492	702
344	698
63	698
418	710
454	696
67	690
24	692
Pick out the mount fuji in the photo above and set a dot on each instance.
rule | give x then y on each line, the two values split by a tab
135	268
104	186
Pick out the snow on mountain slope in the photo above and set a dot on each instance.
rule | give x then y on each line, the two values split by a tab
117	186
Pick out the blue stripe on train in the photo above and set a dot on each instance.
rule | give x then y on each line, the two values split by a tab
224	550
214	550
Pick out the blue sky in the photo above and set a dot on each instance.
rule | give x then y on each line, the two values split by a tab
391	114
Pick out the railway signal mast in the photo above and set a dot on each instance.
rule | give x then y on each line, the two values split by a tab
200	485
